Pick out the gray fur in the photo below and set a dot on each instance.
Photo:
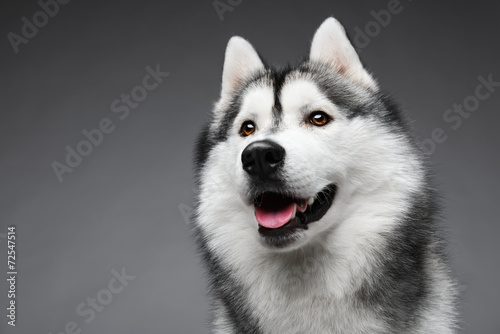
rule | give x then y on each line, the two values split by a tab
368	266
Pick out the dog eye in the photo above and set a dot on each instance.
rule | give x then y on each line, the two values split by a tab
319	118
247	128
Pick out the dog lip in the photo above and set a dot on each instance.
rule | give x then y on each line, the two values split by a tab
321	204
314	210
302	203
286	234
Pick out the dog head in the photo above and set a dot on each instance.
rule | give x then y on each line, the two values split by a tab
295	152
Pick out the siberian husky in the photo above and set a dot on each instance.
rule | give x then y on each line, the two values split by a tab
315	212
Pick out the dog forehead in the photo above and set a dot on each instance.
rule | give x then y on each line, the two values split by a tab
301	92
282	97
258	101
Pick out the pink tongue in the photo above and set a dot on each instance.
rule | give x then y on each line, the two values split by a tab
274	219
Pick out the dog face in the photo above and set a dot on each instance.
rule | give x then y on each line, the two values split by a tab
293	153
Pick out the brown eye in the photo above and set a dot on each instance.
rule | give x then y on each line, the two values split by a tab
319	118
247	128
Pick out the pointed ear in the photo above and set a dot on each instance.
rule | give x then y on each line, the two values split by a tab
241	60
330	45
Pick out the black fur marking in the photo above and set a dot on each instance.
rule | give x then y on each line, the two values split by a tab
202	147
278	78
346	96
339	90
400	284
233	110
227	121
396	119
207	140
223	287
398	287
230	293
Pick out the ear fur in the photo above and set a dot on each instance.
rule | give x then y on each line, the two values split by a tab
331	46
241	60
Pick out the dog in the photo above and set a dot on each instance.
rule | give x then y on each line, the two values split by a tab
315	211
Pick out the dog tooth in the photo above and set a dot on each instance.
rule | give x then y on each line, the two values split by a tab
294	210
310	201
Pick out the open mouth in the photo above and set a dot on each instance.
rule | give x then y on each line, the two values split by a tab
282	217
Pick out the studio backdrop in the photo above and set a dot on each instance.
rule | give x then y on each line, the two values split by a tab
101	102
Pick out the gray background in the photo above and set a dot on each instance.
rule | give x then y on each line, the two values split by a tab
120	208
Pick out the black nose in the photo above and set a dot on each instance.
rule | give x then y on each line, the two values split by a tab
262	158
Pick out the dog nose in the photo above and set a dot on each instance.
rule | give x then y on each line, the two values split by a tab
262	158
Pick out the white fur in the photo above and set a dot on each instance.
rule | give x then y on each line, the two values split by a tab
371	197
308	287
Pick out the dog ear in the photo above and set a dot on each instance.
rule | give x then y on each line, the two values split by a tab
331	46
241	60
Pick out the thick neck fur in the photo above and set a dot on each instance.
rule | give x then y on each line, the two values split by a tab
331	283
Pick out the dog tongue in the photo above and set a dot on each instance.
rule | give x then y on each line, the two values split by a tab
274	217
